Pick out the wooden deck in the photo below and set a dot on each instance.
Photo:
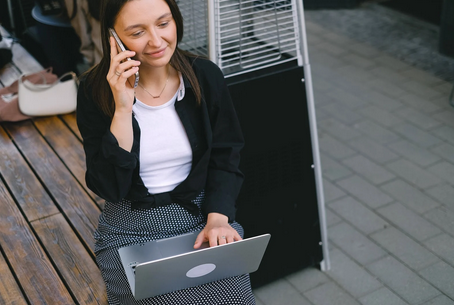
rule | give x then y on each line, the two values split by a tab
47	213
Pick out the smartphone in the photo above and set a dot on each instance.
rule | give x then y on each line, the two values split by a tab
122	48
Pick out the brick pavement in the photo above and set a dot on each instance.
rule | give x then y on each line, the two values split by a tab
386	133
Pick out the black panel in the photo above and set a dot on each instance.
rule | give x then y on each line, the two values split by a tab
279	194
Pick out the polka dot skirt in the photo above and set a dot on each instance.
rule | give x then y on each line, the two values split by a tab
120	226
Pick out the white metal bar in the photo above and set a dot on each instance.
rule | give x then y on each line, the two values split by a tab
325	264
212	45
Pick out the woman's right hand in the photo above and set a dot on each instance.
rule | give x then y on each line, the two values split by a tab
120	71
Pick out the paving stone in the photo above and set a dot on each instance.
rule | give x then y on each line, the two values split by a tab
366	192
445	133
446	151
358	60
443	217
338	39
440	300
391	62
443	246
409	196
409	222
334	148
422	120
373	150
308	279
422	77
380	116
342	113
419	88
413	174
382	296
410	252
332	169
350	276
417	135
370	170
376	132
258	302
414	153
332	49
388	73
444	170
388	88
331	218
339	130
351	75
443	193
364	219
380	99
444	116
355	244
441	275
407	284
331	192
419	103
329	293
278	293
326	59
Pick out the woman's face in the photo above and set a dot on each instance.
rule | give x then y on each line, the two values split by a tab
148	28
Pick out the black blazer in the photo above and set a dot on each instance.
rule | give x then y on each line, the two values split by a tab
214	134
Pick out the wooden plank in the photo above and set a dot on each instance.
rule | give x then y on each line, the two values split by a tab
23	184
76	267
67	146
70	196
70	120
10	292
36	275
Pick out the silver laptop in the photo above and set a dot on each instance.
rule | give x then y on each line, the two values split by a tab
171	264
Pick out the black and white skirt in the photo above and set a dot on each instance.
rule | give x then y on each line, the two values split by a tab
120	226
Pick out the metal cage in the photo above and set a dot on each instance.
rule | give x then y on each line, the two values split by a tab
243	36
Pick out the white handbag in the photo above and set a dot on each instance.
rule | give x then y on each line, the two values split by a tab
45	99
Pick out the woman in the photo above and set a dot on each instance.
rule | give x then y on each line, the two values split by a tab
163	155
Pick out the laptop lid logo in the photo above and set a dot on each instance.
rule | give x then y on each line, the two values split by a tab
200	270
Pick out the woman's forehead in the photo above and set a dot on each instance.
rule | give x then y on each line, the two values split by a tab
141	11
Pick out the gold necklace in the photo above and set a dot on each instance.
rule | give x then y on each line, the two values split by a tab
157	96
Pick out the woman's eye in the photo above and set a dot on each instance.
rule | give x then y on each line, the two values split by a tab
163	24
137	33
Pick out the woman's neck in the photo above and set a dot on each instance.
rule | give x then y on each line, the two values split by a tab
154	78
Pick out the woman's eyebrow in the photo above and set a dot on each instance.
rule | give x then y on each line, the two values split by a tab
133	26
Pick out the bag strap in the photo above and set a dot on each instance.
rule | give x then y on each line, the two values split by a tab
35	88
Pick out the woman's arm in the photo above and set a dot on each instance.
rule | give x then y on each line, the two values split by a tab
224	178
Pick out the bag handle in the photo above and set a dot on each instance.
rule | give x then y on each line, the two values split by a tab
35	88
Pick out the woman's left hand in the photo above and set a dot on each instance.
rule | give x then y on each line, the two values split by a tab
217	231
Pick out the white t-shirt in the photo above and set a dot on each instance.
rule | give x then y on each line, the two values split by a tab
165	152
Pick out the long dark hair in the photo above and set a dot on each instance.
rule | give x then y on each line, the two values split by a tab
102	94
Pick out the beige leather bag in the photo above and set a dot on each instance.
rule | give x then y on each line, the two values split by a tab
42	99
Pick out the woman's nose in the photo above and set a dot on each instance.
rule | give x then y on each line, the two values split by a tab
154	40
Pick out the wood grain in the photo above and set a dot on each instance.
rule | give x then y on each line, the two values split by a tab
69	195
34	271
9	290
76	265
23	184
67	146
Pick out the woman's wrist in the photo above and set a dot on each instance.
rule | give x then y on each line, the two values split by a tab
217	217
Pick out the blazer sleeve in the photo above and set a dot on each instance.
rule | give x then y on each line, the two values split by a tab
224	178
109	167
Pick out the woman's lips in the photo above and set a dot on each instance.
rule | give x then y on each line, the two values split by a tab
158	53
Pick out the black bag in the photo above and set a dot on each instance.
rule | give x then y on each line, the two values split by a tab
5	55
51	7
